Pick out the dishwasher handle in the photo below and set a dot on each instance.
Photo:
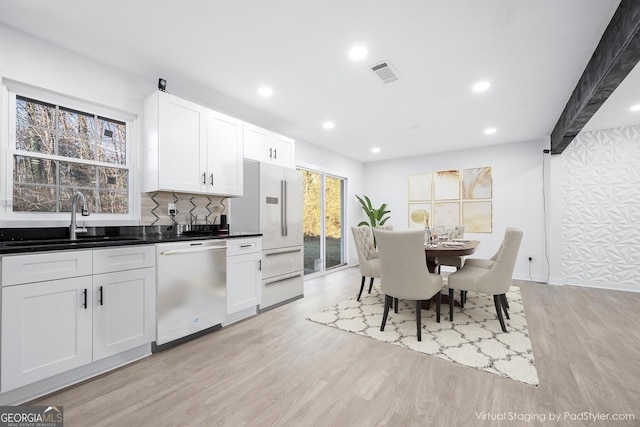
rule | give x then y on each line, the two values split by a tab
194	250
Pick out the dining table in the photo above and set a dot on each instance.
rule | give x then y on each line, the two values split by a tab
455	247
449	248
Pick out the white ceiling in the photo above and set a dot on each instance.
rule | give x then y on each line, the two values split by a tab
532	52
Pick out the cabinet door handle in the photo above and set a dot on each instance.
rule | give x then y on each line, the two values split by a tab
211	178
84	299
204	178
101	296
271	153
260	265
275	153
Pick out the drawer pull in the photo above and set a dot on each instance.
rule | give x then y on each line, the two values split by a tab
84	298
282	278
283	251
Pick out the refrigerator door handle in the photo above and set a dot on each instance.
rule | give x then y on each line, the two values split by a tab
283	207
285	203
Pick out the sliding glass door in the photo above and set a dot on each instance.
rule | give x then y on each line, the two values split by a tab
323	221
333	220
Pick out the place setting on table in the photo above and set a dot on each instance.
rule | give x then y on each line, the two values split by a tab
441	242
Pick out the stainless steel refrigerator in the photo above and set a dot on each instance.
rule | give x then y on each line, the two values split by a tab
272	205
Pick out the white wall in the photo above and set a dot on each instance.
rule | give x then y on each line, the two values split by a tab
38	63
517	170
313	157
595	210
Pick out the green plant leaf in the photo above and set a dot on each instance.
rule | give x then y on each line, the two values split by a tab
369	205
376	216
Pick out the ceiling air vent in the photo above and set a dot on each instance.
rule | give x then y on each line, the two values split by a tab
385	71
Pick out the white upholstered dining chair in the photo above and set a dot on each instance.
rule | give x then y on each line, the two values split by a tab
404	273
367	256
493	277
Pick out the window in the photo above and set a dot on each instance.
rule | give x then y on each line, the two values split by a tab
56	150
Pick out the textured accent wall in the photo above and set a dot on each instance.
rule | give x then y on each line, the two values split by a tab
600	198
154	208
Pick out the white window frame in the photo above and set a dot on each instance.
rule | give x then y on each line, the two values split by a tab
8	218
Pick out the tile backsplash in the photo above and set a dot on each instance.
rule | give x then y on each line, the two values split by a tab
190	208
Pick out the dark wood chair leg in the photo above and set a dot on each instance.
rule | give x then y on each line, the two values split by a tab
371	285
451	303
462	295
505	305
498	304
361	288
418	319
395	305
387	303
438	300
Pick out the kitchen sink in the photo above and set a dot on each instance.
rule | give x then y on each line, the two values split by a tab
80	240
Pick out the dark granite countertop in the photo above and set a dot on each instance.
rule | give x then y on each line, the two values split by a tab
27	240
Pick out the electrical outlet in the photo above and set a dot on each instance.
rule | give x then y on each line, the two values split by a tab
171	209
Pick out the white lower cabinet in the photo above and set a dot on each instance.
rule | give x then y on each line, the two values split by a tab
53	326
124	311
244	278
46	329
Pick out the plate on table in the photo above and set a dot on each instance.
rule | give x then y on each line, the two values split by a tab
461	240
452	244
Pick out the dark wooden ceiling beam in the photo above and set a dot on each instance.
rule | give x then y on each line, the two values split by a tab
615	56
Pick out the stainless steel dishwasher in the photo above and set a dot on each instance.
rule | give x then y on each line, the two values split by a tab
191	289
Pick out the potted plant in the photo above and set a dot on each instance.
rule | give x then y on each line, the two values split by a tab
376	217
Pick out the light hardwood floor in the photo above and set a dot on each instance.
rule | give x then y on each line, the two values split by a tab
280	369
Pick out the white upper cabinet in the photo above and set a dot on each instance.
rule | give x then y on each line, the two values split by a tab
224	154
190	148
266	146
175	131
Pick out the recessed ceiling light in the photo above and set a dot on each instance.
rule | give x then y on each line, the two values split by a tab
490	131
357	53
635	107
375	150
481	86
265	91
328	125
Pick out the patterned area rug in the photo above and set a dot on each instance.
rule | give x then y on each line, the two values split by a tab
474	338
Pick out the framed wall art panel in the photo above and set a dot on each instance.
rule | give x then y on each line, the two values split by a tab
420	186
419	215
477	183
446	185
477	217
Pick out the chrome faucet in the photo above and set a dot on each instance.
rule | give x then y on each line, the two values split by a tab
73	229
